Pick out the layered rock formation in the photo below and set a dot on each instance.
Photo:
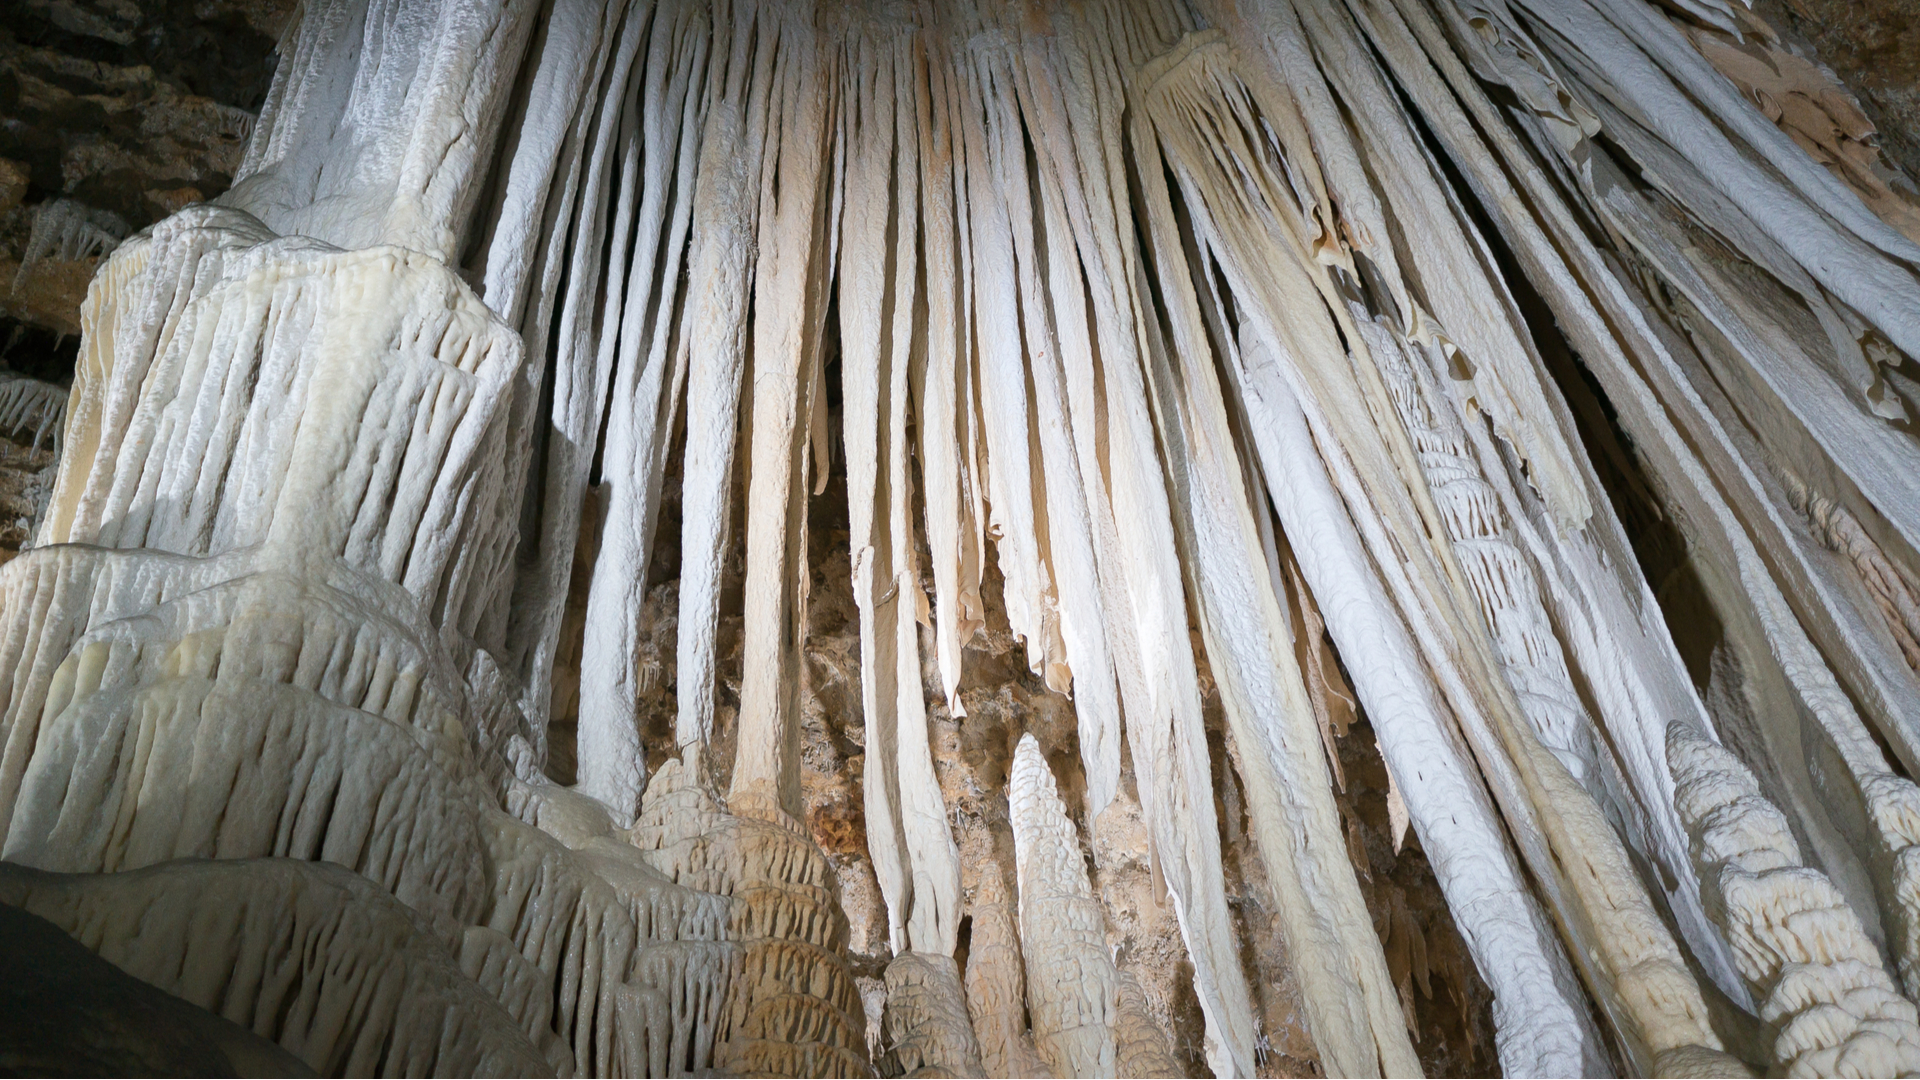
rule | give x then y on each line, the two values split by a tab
813	537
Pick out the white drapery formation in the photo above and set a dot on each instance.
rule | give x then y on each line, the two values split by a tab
1524	342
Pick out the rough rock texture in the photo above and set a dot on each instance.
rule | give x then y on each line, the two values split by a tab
25	480
1072	993
1824	995
117	115
133	108
793	1008
1434	977
473	942
928	1029
1873	49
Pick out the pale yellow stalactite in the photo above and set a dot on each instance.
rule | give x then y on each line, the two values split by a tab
1549	359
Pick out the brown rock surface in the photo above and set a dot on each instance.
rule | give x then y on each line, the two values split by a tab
22	486
110	99
133	110
1874	47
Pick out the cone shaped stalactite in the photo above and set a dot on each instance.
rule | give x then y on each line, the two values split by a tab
1119	538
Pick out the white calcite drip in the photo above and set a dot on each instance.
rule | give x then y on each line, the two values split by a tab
1498	574
433	571
29	405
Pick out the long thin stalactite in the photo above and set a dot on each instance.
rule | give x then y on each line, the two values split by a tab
1159	331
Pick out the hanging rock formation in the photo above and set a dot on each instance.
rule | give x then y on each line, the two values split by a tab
436	652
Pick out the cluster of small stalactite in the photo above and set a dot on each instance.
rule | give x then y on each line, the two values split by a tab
1225	357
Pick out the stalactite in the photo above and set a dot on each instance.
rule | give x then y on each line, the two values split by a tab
913	852
1893	588
1553	357
31	405
68	230
1472	860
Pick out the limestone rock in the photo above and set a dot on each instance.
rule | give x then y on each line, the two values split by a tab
1072	992
1124	499
928	1031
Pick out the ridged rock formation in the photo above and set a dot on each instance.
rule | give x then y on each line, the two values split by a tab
70	1012
927	1023
1830	1006
956	537
1072	994
997	985
791	1007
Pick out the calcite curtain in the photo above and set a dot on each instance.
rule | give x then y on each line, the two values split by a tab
1552	360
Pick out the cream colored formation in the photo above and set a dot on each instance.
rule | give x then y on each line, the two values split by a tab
1557	356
